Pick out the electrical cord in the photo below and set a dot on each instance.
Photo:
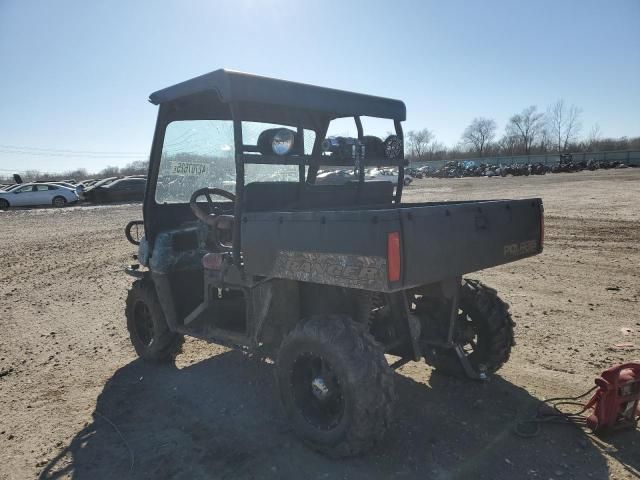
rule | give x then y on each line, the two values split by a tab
556	415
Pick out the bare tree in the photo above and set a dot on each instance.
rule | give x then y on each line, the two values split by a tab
508	144
418	142
595	135
564	123
435	150
32	175
479	133
109	171
526	126
137	167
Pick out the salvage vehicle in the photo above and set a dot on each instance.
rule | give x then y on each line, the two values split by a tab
35	194
334	177
382	175
102	182
325	279
127	189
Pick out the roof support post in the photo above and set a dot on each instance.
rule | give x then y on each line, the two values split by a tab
400	185
360	161
239	203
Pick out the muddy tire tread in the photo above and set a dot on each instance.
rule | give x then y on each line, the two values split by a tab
369	374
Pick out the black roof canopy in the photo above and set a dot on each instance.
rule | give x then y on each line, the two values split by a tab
246	89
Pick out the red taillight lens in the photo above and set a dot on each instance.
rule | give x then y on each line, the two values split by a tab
212	261
393	256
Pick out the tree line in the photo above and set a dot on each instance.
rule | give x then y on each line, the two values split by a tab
138	167
558	129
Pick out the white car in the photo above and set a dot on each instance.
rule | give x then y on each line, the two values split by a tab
335	177
384	175
31	194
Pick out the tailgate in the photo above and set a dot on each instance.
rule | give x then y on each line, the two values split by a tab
449	239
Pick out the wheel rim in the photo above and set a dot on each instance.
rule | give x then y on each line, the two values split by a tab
4	204
317	392
469	335
143	323
58	202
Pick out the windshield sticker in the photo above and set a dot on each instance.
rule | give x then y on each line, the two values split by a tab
188	168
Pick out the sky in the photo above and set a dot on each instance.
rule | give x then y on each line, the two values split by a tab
75	75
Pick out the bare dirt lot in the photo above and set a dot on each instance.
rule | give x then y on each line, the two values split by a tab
75	402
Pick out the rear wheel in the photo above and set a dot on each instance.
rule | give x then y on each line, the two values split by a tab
3	204
484	330
148	329
59	201
335	385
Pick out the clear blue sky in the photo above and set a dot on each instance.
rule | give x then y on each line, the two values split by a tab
76	74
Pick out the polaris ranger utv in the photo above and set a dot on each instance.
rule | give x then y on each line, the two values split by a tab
243	248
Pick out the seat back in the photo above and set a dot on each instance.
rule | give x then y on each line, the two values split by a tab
287	196
271	196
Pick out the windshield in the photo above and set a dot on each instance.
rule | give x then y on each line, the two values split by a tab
200	153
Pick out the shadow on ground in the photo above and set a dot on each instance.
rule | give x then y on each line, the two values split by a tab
220	418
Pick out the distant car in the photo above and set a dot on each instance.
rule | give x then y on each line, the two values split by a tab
128	189
33	194
384	175
79	188
335	177
98	183
414	172
88	183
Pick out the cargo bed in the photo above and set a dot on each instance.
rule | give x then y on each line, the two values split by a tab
391	248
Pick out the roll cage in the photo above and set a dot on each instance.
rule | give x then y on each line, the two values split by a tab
241	97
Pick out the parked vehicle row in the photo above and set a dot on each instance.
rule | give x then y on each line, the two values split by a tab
338	177
61	193
131	188
116	189
468	168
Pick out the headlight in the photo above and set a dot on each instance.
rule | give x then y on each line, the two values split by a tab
276	140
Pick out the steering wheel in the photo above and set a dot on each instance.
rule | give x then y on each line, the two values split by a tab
214	217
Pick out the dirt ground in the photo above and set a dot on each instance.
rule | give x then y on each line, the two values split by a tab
75	402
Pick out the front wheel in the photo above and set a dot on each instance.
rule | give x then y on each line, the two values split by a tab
148	329
335	385
59	202
4	205
484	330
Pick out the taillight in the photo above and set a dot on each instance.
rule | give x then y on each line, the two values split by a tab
212	261
393	256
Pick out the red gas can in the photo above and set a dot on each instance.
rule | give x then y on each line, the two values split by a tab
616	403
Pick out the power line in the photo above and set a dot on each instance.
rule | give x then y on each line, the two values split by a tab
22	150
73	155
